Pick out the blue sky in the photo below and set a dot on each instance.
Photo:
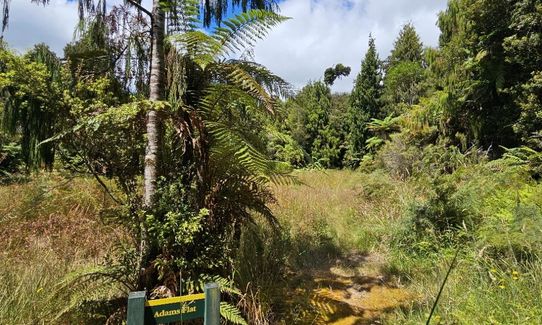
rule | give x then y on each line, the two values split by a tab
321	33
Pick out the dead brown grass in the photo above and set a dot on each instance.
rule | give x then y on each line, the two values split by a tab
52	213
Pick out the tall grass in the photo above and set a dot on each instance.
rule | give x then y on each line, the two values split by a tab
497	276
497	279
52	226
352	210
331	216
477	292
49	227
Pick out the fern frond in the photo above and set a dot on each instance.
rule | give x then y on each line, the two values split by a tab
231	313
225	285
237	76
182	15
242	31
198	46
272	83
232	143
240	34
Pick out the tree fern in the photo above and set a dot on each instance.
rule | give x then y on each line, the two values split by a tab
231	313
240	34
242	31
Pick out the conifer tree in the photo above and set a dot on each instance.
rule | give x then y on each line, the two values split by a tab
407	47
403	84
365	101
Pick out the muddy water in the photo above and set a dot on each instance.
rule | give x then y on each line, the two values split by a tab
348	291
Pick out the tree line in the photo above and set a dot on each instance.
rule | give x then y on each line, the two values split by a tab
480	88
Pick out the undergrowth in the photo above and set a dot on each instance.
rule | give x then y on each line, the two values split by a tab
51	227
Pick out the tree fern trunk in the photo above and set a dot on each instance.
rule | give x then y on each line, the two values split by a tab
153	131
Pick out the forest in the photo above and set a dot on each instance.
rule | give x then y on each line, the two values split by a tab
154	154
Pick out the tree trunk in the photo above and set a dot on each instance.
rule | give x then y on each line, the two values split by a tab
157	92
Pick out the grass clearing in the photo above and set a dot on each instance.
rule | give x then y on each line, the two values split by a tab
337	223
336	260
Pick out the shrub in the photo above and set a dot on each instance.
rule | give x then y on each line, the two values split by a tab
11	163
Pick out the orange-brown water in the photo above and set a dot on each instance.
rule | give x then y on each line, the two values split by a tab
349	291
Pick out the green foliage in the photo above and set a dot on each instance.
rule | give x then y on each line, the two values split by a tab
337	71
365	102
403	86
444	218
480	44
405	72
529	124
31	98
283	147
315	99
231	314
310	124
407	47
11	161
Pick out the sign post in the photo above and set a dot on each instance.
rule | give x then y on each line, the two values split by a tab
169	310
212	304
136	308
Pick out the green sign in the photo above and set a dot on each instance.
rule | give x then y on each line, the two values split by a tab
170	310
174	309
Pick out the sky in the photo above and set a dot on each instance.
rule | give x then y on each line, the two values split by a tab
320	34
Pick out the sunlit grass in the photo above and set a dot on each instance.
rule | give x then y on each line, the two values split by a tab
49	227
337	233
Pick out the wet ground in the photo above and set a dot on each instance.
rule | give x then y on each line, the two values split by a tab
345	291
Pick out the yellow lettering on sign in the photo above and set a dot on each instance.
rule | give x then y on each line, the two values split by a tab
188	309
185	309
166	313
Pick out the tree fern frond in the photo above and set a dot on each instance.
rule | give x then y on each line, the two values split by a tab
240	34
243	30
272	83
231	313
231	143
220	96
182	15
237	76
199	46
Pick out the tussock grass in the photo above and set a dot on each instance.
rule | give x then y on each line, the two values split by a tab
353	210
49	227
335	225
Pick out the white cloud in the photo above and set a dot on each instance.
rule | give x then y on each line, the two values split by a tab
321	33
30	24
325	32
53	24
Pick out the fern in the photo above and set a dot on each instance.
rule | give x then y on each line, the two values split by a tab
240	34
243	30
231	313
